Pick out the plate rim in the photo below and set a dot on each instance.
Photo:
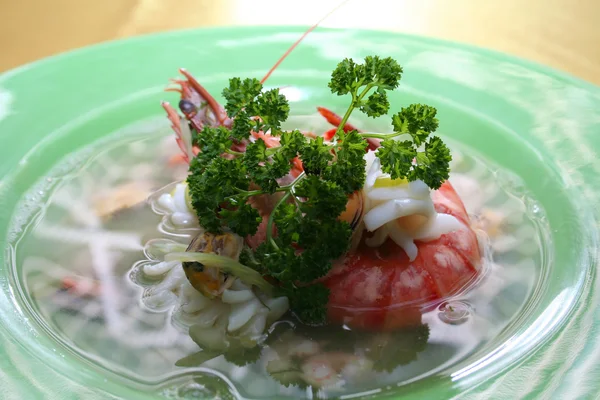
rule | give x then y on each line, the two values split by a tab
488	53
300	28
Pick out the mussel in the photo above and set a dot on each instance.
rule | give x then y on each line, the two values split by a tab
210	281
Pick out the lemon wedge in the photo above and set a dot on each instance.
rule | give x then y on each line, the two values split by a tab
386	181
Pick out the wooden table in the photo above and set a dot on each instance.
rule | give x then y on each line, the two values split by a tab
564	34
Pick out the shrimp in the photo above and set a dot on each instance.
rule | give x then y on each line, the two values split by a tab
379	288
81	287
336	120
200	108
333	369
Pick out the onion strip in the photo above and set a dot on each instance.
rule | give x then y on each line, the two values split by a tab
226	264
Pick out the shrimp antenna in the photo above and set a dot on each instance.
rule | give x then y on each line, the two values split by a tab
297	42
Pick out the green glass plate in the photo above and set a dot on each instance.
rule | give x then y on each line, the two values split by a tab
541	125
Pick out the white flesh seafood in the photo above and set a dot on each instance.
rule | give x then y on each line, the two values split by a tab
403	211
240	312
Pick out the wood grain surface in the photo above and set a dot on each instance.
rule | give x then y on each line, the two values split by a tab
564	34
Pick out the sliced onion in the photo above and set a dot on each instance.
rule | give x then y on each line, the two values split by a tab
420	190
157	269
403	240
239	285
390	193
394	209
378	238
369	157
197	303
208	317
225	264
213	338
438	226
188	290
251	332
241	313
180	218
372	173
160	299
174	278
277	307
165	201
413	190
179	198
236	296
156	249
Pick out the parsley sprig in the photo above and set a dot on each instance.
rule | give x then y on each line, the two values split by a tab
373	79
303	233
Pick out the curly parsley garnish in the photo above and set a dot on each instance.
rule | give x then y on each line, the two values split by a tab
304	234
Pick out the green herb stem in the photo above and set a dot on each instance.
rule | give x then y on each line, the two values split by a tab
272	150
270	221
289	193
383	136
353	104
346	116
233	152
229	265
258	192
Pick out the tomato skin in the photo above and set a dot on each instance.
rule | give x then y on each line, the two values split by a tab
380	289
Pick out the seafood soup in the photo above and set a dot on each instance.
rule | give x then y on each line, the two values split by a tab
276	253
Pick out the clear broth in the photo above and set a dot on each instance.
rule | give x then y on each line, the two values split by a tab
108	323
